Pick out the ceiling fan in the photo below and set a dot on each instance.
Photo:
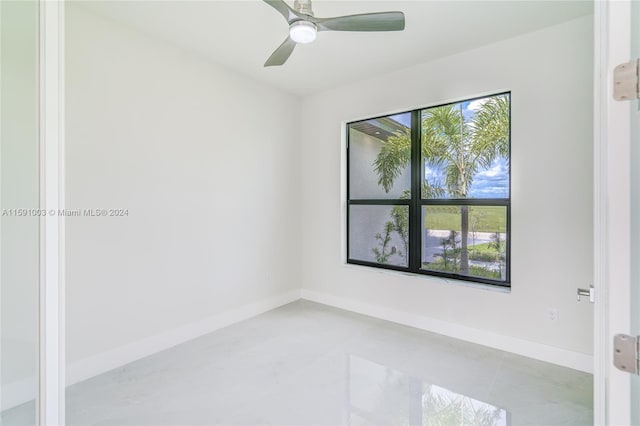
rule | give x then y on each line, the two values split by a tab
303	26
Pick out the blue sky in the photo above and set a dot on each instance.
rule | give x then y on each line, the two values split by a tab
404	118
491	182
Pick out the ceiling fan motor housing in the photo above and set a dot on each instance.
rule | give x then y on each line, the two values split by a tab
303	6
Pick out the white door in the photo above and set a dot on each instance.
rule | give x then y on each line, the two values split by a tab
618	203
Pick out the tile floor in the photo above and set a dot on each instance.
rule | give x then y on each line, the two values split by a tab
309	364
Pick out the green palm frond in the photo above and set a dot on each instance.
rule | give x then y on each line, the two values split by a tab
491	130
441	133
433	189
393	158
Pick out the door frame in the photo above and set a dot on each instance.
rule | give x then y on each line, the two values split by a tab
51	347
612	203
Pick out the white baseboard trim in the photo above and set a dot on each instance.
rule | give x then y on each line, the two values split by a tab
106	361
16	393
539	351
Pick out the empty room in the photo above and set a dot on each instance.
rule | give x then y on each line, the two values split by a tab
267	212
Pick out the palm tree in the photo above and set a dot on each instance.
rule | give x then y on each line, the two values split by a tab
454	145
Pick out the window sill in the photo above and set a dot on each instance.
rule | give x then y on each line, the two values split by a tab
479	286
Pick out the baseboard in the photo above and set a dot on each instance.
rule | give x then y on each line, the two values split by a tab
106	361
16	393
558	356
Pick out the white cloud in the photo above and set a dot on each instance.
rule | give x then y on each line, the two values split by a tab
494	171
475	105
428	172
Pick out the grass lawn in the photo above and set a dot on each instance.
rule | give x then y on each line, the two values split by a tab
481	218
483	252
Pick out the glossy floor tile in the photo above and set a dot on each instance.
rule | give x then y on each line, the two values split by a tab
308	364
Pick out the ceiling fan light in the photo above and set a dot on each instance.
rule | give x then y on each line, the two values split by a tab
303	32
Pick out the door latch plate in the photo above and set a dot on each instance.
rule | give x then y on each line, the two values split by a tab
625	353
625	81
590	292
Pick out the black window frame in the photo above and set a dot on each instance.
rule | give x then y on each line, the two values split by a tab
416	202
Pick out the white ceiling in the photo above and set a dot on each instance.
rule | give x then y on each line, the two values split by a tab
241	34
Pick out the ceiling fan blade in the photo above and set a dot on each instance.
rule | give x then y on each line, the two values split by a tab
281	54
382	21
283	8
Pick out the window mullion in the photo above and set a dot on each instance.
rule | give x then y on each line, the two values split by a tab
415	233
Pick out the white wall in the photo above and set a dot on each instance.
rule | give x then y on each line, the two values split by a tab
19	242
549	75
207	164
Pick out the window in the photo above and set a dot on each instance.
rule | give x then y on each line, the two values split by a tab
429	191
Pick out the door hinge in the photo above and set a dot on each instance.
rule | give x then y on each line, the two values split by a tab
626	353
626	85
